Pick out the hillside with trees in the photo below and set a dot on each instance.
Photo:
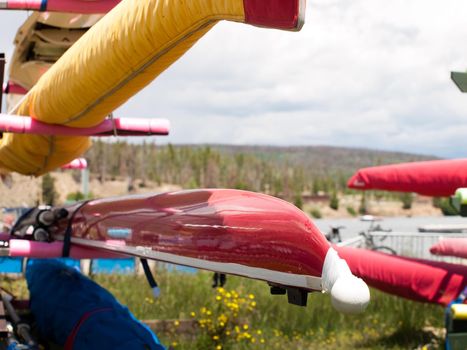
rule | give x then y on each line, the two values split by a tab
286	172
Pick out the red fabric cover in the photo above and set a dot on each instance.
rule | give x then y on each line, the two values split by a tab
415	279
281	14
451	247
437	178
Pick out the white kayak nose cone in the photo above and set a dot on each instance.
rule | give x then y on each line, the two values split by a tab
349	294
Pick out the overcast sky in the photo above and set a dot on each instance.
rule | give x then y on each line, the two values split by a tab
361	73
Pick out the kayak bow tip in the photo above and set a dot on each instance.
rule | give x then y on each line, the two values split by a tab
350	295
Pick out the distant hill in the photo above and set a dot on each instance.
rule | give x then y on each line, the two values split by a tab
282	171
322	159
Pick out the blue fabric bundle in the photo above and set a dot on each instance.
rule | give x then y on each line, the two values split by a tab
73	311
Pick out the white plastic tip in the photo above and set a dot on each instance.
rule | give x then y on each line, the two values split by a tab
156	292
350	295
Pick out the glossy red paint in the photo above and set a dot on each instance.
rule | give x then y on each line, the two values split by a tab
281	14
216	225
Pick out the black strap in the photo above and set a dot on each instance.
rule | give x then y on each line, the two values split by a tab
147	271
20	219
69	230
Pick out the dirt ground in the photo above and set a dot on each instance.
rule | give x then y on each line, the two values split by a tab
25	191
421	206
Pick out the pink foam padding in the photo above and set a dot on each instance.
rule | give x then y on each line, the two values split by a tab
78	163
124	127
416	279
450	247
74	6
24	4
32	249
436	178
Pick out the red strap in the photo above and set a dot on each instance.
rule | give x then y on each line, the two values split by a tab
71	338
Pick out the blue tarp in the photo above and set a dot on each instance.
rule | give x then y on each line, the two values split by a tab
66	305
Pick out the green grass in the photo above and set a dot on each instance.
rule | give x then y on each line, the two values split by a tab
388	323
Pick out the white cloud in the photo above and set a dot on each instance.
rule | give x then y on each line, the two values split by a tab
368	73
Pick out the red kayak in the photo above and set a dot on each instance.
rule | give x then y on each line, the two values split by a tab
437	178
415	279
227	231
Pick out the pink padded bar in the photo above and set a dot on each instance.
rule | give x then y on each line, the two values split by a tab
73	6
78	163
32	249
121	127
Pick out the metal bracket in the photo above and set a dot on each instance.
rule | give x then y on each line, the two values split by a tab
297	296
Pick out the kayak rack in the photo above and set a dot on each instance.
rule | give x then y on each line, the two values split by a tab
109	127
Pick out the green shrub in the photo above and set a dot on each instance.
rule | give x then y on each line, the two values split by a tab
351	211
298	201
316	213
49	195
362	209
446	208
407	200
334	201
75	196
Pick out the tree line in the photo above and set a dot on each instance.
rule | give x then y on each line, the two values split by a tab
209	167
284	172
